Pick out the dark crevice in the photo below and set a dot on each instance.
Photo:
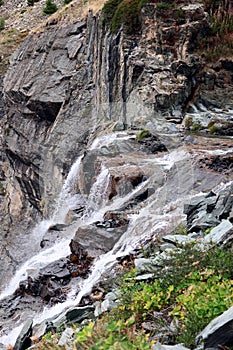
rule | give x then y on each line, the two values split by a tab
45	110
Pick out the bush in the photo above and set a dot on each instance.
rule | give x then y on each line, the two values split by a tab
142	134
65	2
50	7
1	2
123	12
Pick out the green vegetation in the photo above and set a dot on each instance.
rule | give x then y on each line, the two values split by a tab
2	23
195	287
196	127
142	134
218	41
50	7
65	2
1	2
123	12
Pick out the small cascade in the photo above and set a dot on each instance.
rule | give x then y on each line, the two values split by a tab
98	194
67	200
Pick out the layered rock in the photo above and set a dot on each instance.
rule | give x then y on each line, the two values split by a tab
79	71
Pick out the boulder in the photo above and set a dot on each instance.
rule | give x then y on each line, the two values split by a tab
92	241
23	341
220	234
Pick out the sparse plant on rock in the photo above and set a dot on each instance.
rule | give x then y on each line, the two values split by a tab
2	23
142	134
123	12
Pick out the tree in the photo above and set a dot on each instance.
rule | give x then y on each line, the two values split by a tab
50	7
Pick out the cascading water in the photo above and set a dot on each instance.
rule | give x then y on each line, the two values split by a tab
158	214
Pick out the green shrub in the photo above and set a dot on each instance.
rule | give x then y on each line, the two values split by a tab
123	12
2	23
50	7
188	122
1	2
142	134
65	2
213	129
196	127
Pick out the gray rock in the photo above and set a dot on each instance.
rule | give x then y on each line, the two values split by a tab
23	341
219	234
159	346
147	265
66	338
218	332
95	240
110	301
166	247
76	314
178	240
145	277
39	330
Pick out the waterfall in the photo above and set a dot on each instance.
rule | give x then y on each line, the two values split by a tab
156	215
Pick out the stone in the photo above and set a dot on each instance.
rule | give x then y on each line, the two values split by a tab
23	341
148	265
178	240
66	338
57	227
110	301
218	333
219	234
77	315
92	241
159	346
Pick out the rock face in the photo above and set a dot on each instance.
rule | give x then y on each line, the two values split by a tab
79	71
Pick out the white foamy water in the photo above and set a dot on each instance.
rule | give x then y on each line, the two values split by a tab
99	193
106	140
218	152
33	265
66	200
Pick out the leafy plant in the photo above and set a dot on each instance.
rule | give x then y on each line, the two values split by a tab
142	134
50	7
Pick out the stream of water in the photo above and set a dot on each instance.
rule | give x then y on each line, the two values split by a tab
159	214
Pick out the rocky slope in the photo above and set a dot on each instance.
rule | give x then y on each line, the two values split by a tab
73	80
